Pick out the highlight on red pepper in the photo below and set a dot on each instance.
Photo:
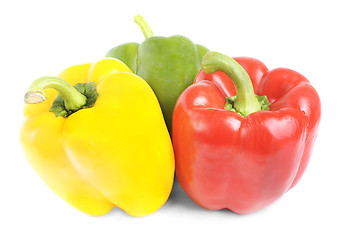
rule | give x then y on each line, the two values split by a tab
243	135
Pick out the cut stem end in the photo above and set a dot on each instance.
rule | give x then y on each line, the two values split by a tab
34	97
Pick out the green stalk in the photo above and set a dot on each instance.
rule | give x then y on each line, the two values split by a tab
73	99
246	101
145	28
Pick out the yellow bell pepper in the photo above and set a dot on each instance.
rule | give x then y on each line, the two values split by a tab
103	145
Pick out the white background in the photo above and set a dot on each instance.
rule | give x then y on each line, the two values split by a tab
41	38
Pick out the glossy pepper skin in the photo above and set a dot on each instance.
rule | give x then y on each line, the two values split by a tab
168	64
243	163
117	152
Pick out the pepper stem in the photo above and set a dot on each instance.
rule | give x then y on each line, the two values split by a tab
246	101
73	99
145	28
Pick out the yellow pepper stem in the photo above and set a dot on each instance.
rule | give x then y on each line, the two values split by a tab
73	99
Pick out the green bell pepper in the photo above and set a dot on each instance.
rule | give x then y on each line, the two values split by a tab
168	64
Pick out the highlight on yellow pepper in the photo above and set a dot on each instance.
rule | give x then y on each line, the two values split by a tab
101	143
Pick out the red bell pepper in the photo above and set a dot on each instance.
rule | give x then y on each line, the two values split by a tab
243	152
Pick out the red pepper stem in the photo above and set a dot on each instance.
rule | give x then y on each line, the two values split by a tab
73	99
145	28
246	101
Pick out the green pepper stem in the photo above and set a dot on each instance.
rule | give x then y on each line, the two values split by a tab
73	99
246	101
145	28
